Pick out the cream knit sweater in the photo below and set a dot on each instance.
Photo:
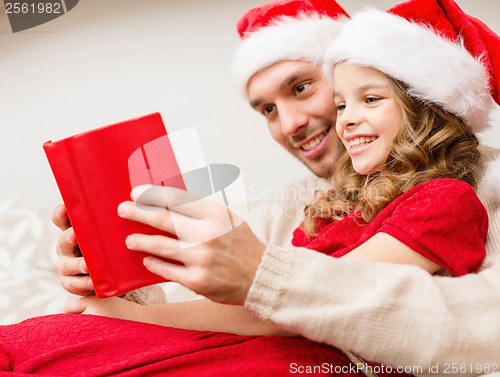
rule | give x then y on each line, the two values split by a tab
394	314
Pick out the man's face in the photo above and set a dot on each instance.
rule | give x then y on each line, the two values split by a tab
297	102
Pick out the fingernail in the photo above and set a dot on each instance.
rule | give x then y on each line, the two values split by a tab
138	191
83	267
134	193
70	236
123	209
147	262
129	240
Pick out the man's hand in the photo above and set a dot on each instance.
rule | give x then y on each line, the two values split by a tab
70	265
220	264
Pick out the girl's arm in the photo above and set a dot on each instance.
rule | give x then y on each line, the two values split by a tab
206	315
382	247
201	315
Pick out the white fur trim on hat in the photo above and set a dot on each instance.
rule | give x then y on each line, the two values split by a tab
436	69
288	38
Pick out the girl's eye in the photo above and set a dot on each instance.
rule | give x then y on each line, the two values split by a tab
340	107
268	109
372	99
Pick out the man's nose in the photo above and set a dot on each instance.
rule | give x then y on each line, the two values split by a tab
292	119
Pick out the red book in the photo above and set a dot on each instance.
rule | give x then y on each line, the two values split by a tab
95	171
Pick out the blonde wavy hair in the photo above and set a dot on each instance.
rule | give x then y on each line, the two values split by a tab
431	143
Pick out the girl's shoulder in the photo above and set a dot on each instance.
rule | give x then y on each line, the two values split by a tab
439	197
443	184
439	189
443	220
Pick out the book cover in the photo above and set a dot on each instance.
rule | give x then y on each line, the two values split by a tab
95	171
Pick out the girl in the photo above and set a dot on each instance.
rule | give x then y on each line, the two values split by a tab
403	192
393	199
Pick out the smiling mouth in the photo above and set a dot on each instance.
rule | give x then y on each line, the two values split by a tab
361	141
313	143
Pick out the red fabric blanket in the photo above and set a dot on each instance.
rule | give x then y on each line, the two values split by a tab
86	345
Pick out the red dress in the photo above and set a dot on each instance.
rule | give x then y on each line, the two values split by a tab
441	219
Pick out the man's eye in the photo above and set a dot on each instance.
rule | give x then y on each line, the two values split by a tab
301	87
268	109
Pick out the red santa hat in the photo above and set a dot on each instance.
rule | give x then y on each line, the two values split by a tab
444	55
285	30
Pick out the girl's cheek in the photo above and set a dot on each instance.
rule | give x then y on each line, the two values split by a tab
338	129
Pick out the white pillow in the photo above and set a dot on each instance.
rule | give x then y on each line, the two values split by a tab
29	284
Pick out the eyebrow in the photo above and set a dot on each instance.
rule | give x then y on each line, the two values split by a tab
291	79
366	87
287	81
255	103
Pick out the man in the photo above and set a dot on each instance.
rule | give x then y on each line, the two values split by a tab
398	315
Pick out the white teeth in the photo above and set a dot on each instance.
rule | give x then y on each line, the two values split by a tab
361	141
314	143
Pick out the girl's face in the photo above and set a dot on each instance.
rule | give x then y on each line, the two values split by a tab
368	116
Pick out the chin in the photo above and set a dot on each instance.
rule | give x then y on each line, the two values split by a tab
362	170
324	165
365	171
323	171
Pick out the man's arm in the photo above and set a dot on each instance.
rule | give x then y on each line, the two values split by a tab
395	314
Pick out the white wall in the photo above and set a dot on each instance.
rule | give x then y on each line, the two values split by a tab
110	60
